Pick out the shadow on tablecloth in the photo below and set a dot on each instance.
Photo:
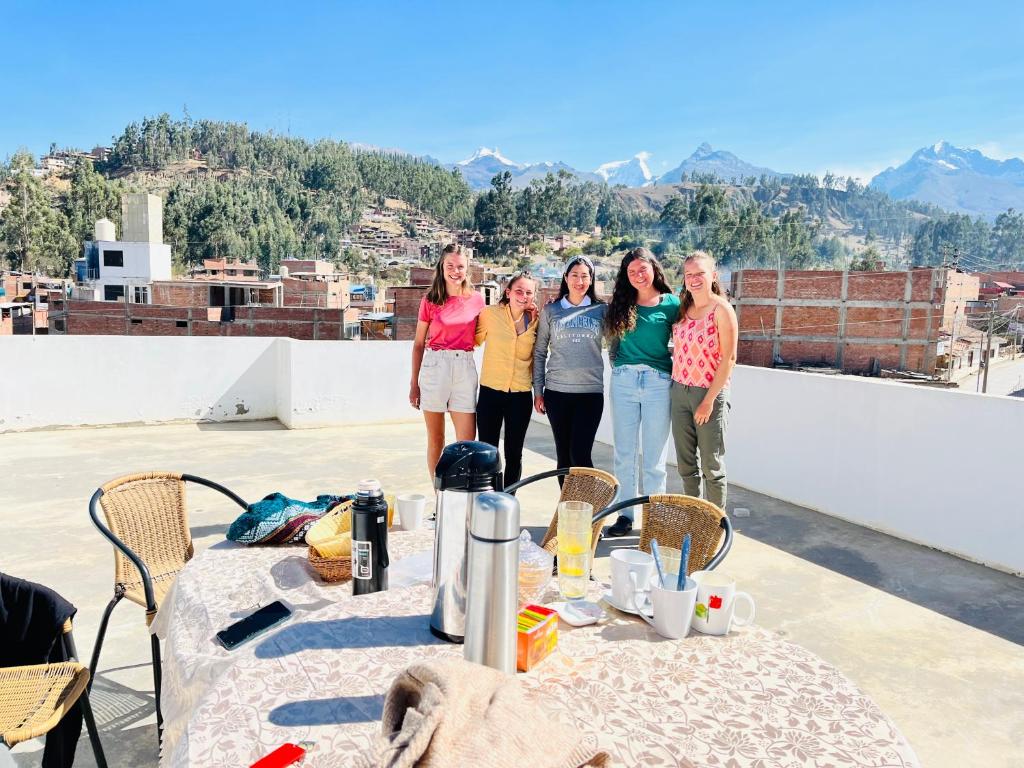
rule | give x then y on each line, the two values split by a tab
344	709
351	632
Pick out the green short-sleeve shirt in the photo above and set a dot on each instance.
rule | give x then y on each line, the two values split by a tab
647	344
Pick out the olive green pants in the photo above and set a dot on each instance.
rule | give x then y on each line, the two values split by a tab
707	440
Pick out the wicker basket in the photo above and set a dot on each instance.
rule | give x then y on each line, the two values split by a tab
331	569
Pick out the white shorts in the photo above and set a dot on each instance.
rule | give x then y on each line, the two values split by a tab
448	381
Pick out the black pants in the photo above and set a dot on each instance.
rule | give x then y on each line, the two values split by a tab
512	408
574	418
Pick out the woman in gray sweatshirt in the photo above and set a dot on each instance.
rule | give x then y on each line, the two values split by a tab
568	368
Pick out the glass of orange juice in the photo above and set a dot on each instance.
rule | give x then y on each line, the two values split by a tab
574	530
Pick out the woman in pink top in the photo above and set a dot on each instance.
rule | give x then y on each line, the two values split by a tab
703	355
444	377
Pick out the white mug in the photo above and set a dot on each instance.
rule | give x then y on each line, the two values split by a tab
410	507
715	608
629	564
673	609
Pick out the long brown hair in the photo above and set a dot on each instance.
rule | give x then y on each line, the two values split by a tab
438	293
621	317
685	297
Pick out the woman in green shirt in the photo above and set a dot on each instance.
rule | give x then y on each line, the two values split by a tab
639	324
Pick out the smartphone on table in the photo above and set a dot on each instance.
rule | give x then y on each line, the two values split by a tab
254	624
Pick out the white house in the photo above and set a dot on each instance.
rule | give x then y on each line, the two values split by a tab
124	270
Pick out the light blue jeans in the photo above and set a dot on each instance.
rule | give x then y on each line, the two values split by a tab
641	422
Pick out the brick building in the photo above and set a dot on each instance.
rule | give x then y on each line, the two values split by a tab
221	269
314	283
105	318
209	292
855	321
406	309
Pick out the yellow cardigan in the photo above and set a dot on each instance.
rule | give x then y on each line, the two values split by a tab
508	356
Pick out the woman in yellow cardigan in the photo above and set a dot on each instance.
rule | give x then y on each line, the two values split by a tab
508	331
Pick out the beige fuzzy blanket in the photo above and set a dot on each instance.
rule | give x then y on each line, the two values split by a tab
452	712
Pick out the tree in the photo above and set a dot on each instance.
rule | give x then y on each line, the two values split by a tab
675	217
1007	240
90	199
33	234
495	218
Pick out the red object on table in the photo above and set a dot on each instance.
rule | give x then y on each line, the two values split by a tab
286	754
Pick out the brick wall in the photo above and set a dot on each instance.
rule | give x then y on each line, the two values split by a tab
853	320
108	318
407	305
179	294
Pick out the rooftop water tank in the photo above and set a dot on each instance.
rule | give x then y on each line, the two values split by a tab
283	271
105	230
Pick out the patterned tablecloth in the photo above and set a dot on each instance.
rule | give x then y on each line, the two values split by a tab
749	699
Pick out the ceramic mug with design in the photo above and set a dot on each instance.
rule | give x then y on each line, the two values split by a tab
715	608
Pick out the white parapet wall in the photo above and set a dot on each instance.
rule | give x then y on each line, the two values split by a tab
936	467
66	381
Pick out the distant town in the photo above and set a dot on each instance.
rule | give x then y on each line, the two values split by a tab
916	325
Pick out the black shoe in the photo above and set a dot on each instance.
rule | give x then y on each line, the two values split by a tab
620	527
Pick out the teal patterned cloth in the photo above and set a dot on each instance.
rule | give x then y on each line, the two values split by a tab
277	519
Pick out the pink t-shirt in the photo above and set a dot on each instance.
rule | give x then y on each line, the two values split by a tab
452	326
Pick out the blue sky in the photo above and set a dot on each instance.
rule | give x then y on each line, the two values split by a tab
795	86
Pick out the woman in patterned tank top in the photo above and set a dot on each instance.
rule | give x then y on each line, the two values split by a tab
703	356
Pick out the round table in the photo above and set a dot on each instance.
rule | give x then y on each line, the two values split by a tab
747	699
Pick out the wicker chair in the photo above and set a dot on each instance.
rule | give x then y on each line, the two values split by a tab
35	698
594	486
147	522
669	517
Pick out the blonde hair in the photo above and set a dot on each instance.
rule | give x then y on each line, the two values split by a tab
438	292
685	297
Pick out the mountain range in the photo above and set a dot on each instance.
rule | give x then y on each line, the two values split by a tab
956	179
950	177
634	172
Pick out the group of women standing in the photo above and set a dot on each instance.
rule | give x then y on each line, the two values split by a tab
551	359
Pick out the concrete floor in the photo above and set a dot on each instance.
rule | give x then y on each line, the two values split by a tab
936	641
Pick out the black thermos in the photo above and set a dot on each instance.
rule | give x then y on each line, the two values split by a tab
369	539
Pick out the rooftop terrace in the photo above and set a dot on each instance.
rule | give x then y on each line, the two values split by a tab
936	640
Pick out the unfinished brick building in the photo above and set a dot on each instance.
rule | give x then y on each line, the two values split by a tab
119	319
855	321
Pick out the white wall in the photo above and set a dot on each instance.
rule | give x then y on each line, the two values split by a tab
932	466
54	381
144	261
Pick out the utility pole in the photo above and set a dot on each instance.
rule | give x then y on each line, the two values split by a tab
952	342
956	309
988	346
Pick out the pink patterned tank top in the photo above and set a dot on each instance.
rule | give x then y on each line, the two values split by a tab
696	352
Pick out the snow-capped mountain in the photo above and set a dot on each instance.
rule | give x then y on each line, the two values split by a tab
485	163
725	165
632	173
956	179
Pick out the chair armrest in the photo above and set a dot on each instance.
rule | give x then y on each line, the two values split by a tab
539	476
217	487
726	545
147	580
611	509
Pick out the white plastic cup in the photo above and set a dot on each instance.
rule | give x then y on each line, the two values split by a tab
410	507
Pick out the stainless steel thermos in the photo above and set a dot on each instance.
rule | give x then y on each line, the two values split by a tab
369	539
465	470
492	583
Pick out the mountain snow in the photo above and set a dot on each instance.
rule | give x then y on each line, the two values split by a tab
484	152
633	172
956	179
